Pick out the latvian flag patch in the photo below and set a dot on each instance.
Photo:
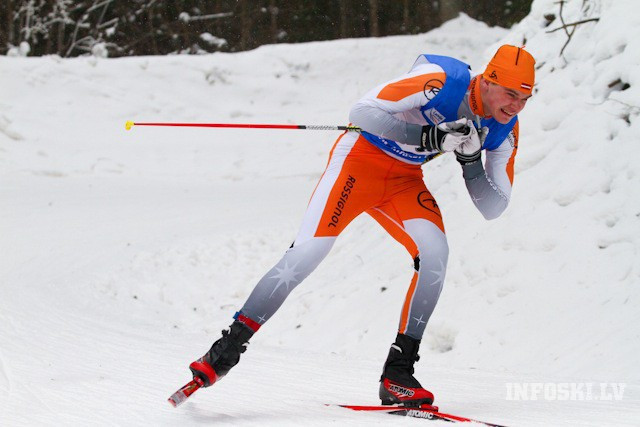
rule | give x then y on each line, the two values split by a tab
525	86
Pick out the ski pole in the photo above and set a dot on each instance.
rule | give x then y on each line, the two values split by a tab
129	124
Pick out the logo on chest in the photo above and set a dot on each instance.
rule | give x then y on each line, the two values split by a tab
432	88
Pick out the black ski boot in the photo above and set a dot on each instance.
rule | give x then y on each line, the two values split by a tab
397	384
223	355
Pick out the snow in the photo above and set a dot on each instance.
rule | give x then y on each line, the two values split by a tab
125	253
213	40
22	49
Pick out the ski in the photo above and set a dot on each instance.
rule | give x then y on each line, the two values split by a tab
180	396
424	411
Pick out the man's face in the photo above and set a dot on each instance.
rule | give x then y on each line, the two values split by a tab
500	102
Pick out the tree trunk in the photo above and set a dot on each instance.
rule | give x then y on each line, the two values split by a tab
273	10
405	16
449	9
373	18
344	19
61	32
152	33
245	25
10	38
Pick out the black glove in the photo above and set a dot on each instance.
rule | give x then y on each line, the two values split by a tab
445	136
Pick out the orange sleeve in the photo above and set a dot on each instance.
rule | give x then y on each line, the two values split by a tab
512	159
402	88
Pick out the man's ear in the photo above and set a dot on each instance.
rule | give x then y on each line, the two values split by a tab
484	85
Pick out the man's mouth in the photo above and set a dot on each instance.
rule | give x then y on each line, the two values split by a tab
510	114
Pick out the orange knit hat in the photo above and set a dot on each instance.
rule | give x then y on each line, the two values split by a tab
512	67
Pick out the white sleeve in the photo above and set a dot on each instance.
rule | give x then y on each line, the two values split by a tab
496	163
490	187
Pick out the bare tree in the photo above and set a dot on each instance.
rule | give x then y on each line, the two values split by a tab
143	27
373	18
405	16
9	36
245	24
273	21
344	19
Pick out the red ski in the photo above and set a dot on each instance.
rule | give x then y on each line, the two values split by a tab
428	412
185	391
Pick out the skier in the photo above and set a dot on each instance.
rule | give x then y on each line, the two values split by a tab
405	122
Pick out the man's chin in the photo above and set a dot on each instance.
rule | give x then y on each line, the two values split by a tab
503	118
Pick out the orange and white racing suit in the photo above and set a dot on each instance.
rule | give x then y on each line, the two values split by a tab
388	185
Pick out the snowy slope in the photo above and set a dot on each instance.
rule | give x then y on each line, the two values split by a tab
125	253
